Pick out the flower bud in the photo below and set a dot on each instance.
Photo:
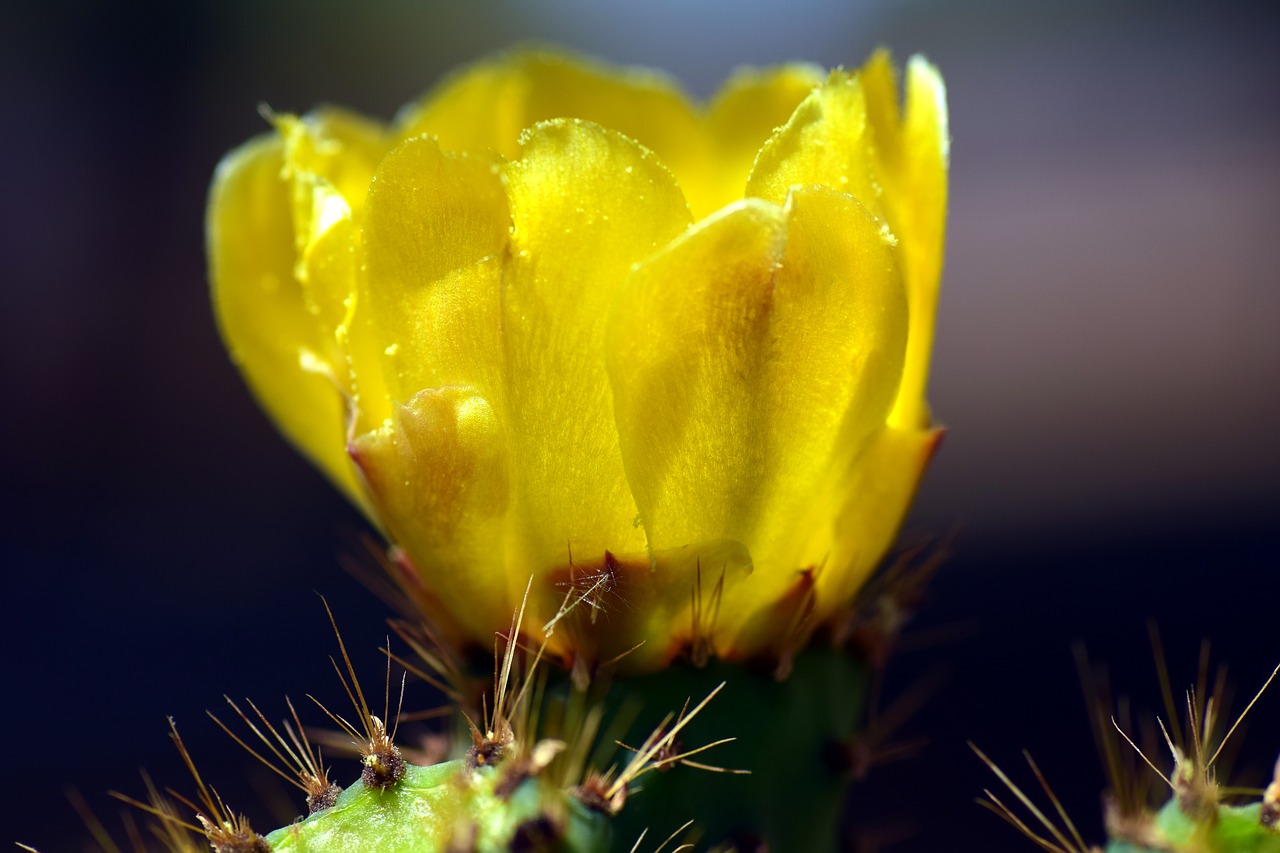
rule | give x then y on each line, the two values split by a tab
556	321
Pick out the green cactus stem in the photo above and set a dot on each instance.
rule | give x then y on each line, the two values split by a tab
448	807
710	754
797	738
1230	829
1196	817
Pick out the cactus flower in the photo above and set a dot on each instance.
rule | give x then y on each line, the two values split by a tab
557	323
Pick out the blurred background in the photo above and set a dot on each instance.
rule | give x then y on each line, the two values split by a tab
1108	362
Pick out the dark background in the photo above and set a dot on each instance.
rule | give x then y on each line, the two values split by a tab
1108	362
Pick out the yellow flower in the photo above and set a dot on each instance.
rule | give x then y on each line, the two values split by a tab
556	323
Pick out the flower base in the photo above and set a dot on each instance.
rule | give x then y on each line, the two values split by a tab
798	738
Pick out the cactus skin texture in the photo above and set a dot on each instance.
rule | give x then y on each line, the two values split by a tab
448	807
797	736
1231	829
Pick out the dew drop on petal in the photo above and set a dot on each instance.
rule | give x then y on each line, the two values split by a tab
310	362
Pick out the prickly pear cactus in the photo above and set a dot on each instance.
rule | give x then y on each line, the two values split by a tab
449	806
1227	829
514	792
692	757
1198	816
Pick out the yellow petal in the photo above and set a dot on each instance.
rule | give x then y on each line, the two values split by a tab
432	246
587	204
754	354
338	146
437	472
825	143
330	157
879	79
913	153
487	106
262	311
507	295
874	495
687	345
743	115
479	109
